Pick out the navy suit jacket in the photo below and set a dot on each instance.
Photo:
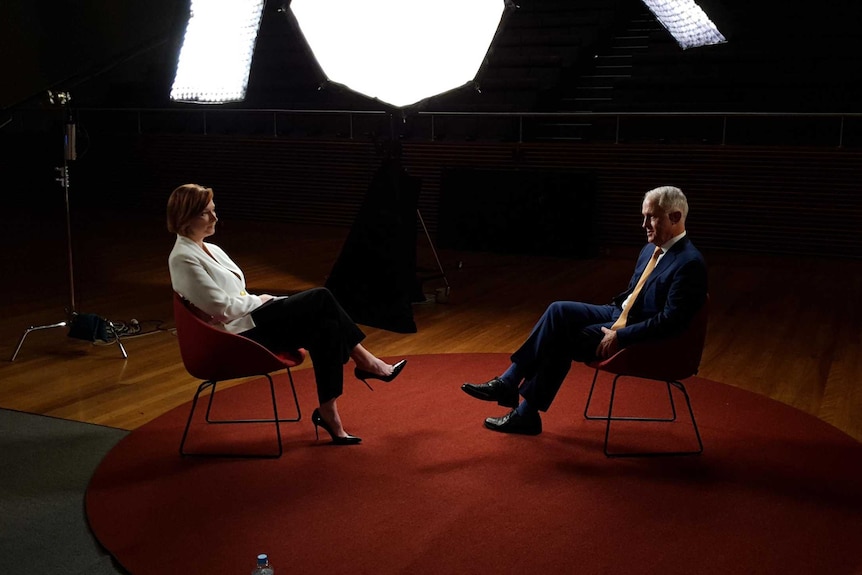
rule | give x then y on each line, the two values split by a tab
671	296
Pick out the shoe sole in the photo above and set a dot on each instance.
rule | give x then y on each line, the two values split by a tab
511	432
513	403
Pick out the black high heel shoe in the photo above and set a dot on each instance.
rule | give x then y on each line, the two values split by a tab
318	421
363	375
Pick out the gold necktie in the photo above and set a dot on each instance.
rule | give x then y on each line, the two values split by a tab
621	321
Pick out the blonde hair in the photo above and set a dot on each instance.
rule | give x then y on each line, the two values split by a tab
186	203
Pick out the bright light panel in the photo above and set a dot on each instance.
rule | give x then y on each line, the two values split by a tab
216	54
686	22
399	51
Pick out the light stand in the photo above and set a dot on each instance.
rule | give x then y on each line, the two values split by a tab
441	295
69	154
384	235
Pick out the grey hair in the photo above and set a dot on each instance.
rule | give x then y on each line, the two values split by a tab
669	199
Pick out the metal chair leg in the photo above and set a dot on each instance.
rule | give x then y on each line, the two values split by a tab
681	387
282	420
275	419
201	387
295	399
626	418
610	417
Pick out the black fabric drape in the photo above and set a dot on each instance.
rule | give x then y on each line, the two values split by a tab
374	277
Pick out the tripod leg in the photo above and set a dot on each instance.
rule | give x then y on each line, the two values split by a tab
122	349
114	333
34	328
434	251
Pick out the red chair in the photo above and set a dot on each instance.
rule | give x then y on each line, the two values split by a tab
670	361
214	355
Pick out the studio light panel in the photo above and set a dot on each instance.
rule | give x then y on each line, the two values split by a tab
686	22
215	57
399	51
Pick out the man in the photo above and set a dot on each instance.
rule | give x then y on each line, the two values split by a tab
668	287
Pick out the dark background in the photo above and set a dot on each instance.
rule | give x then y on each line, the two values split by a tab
768	123
118	53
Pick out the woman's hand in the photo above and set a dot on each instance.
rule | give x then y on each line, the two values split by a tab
265	297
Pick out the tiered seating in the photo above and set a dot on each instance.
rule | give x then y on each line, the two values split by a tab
775	60
538	45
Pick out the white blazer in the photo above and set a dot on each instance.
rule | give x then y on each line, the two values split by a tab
213	283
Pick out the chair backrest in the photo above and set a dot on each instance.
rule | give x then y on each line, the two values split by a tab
210	353
670	359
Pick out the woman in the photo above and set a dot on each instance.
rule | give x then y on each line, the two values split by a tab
205	275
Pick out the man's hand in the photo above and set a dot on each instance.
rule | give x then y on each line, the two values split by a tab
609	344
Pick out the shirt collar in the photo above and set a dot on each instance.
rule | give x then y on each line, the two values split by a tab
665	247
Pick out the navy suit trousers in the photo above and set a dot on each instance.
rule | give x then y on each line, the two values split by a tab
567	331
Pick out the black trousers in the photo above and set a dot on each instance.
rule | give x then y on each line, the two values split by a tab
313	320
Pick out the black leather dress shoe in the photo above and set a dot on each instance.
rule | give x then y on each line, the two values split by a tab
494	390
514	423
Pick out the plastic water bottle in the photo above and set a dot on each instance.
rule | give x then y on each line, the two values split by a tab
263	567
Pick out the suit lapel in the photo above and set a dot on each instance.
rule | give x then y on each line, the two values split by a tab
667	260
643	260
665	264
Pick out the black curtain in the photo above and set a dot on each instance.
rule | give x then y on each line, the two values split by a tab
518	212
374	277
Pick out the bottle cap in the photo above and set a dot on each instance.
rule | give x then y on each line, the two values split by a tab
262	559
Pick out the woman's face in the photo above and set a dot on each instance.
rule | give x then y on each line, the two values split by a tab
203	225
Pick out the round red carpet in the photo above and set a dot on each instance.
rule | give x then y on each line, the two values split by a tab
429	490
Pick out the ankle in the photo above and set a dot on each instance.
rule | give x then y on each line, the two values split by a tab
525	410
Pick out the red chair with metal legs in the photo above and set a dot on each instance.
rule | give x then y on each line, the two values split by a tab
670	361
214	355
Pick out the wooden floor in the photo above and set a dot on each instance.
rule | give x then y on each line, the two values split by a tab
787	328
